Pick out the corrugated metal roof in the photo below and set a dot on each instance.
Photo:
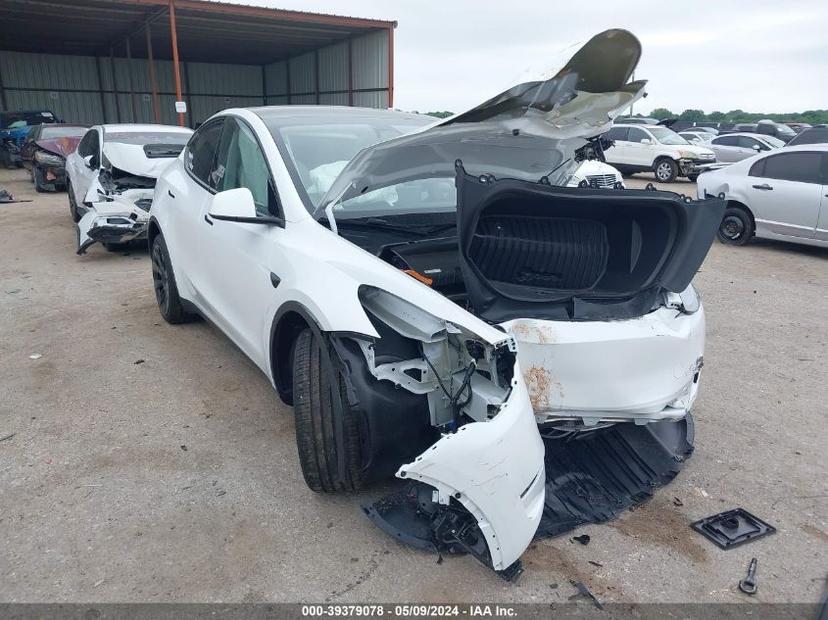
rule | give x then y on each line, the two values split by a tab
207	31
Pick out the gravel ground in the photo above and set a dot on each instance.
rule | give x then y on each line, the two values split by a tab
155	463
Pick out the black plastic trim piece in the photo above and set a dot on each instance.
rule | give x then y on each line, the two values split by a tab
732	528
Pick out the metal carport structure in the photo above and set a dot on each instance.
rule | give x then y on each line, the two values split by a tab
95	61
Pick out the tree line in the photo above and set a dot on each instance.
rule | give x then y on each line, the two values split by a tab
814	117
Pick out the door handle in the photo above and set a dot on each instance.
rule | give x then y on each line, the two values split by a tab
764	187
208	220
170	194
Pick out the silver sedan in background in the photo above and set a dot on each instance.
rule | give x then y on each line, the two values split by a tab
733	147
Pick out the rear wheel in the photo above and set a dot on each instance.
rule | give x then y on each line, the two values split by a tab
316	395
666	170
163	279
736	227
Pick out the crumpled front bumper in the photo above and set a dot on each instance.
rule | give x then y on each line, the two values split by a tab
696	166
641	370
115	221
110	225
495	470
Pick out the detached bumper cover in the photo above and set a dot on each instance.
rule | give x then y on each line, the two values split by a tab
492	471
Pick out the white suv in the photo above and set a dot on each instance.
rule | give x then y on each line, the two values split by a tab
644	148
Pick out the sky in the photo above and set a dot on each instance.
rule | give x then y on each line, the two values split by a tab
754	55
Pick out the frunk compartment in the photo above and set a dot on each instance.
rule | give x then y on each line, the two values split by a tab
538	246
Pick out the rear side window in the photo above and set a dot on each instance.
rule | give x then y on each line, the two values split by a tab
201	152
799	167
617	133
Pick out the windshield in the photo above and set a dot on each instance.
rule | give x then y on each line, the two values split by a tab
703	136
431	195
141	138
774	142
61	132
667	136
319	149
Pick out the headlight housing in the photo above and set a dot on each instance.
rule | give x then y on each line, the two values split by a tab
48	159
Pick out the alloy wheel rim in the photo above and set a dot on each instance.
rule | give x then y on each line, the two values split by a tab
159	276
663	171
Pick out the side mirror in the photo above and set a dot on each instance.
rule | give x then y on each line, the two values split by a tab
90	161
646	141
237	205
756	148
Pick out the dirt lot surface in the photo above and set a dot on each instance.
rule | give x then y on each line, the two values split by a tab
145	462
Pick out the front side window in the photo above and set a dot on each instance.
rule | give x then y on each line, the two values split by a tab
799	167
241	163
87	144
637	135
201	152
748	143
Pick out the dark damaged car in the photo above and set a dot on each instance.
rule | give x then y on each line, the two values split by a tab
44	153
436	304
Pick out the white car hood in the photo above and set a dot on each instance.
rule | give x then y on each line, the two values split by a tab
132	159
546	120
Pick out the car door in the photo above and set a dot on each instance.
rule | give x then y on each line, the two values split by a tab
785	192
185	195
639	153
726	148
821	232
80	173
617	153
238	282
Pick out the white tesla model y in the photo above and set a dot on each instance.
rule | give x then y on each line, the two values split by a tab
428	295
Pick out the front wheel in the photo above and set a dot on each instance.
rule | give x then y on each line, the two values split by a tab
317	394
73	205
37	176
692	178
736	227
666	170
166	290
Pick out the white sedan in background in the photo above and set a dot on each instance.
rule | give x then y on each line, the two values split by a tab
781	194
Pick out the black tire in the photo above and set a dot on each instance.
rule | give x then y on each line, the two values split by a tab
665	170
313	408
166	290
692	178
37	176
736	227
73	205
116	247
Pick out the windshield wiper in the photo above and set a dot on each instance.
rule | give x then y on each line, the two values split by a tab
377	223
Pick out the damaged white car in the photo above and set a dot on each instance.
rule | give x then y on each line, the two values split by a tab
111	179
436	303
